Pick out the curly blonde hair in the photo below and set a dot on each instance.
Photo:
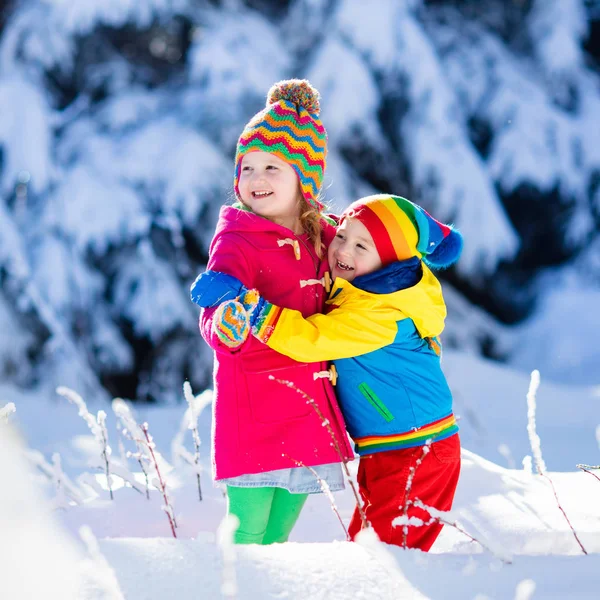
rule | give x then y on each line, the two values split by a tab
310	219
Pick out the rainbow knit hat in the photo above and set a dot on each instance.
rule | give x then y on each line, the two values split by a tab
290	128
401	230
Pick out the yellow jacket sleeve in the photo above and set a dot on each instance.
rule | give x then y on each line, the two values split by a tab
338	334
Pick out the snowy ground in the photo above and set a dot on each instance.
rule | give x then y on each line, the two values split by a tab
532	552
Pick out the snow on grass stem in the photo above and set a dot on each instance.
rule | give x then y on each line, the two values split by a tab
409	480
325	489
58	475
190	421
564	513
97	427
131	430
105	449
309	400
140	435
536	447
125	432
534	438
162	486
445	518
586	469
66	491
6	411
193	425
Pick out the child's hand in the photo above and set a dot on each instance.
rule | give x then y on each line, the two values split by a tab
231	323
240	309
252	302
256	307
211	288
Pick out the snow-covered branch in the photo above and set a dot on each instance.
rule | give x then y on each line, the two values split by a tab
149	459
98	428
196	405
536	447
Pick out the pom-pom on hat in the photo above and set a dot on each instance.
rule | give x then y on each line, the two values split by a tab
290	128
402	229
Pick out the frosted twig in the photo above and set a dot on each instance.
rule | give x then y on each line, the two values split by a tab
190	422
123	471
336	445
587	468
325	489
131	430
409	480
536	448
6	411
60	480
65	488
97	427
162	486
446	519
534	439
74	398
138	456
127	476
193	425
562	510
145	445
105	449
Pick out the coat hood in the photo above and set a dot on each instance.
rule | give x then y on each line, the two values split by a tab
233	219
236	219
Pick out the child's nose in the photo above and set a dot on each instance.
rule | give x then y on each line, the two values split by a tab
258	175
343	249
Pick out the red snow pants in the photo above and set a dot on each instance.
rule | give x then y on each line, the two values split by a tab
382	479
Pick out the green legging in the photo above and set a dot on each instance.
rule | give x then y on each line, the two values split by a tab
267	514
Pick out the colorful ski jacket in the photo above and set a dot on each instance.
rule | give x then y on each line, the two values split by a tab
383	340
259	424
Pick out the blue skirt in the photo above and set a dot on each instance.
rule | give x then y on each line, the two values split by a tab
296	480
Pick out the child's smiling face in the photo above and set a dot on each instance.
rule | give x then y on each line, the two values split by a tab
269	187
352	252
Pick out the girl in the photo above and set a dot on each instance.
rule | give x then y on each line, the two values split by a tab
273	239
382	335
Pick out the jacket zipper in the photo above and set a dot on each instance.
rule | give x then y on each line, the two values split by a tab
340	432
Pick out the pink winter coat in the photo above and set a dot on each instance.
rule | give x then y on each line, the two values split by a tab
255	420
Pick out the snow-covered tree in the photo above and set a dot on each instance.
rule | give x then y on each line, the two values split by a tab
118	123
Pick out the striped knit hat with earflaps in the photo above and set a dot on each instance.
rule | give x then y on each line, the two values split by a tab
290	128
402	229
